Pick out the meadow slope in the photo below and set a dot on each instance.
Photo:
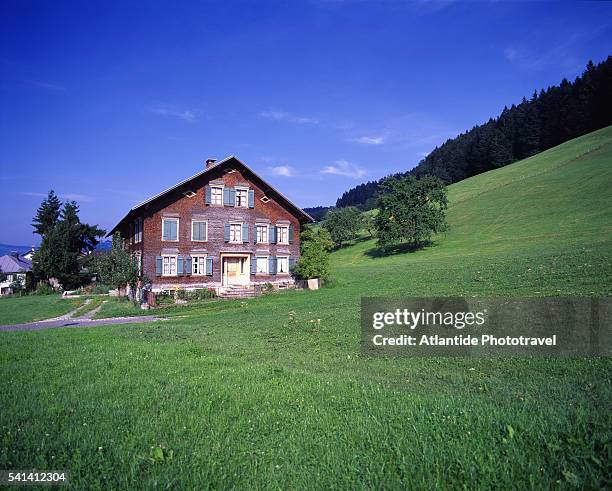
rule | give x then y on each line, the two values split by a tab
273	392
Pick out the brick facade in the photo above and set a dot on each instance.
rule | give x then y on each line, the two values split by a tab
176	204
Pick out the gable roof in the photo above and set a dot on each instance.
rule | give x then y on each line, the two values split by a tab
14	264
226	162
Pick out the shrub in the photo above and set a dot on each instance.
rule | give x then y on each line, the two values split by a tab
181	294
99	289
43	288
202	294
18	286
164	298
314	260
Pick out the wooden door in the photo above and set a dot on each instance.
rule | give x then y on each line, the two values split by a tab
231	268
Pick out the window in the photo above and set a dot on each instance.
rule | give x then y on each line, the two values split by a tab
216	195
137	258
262	264
170	229
235	232
262	234
282	265
198	265
242	195
169	265
199	230
282	234
138	230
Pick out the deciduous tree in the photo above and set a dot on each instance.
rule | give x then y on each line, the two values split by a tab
410	211
343	224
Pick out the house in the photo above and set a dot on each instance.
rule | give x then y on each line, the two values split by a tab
225	227
14	267
29	255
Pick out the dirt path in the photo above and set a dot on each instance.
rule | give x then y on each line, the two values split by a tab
79	322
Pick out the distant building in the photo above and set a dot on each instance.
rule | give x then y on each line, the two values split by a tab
13	267
29	255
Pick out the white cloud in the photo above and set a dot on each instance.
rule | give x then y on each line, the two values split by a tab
369	140
65	196
281	170
344	168
277	115
46	85
169	111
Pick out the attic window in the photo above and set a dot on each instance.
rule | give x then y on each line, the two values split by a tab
265	199
189	194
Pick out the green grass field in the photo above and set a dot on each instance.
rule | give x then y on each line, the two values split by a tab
273	392
15	310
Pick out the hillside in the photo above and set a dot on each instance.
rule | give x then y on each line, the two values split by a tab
549	213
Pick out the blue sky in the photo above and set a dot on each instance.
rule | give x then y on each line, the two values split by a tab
110	102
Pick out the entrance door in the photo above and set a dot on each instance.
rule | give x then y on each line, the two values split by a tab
236	270
231	266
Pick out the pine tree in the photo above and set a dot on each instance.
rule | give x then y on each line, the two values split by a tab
47	214
66	244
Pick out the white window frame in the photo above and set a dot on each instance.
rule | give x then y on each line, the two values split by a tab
278	259
193	220
170	256
200	263
177	220
265	227
278	235
233	224
266	260
212	200
246	196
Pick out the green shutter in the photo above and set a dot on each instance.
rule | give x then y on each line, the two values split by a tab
253	265
272	265
179	265
272	234
207	195
245	233
209	266
251	198
291	233
226	234
158	265
188	262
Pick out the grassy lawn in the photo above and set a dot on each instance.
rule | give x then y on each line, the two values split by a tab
15	310
273	392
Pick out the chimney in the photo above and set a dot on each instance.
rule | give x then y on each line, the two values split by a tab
210	163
